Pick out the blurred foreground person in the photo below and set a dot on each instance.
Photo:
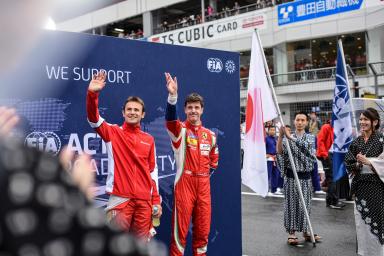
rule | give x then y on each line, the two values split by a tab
365	162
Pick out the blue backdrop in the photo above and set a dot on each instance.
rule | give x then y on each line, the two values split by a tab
49	92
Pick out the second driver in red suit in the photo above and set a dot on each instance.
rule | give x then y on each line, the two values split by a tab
132	180
196	152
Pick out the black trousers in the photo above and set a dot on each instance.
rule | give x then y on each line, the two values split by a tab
332	197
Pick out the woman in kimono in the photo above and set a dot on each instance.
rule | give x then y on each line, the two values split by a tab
303	151
365	165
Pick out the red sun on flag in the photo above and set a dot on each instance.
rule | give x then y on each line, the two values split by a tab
249	114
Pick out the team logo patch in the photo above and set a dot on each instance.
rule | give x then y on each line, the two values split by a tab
204	135
205	147
192	141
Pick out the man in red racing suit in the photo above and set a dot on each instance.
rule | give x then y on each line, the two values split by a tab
132	171
196	152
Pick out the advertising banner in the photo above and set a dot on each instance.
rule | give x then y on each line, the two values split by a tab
309	9
49	93
213	30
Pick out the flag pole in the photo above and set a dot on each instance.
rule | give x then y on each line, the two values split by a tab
340	44
286	141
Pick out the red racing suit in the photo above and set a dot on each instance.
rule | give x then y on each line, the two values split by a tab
196	152
324	141
132	170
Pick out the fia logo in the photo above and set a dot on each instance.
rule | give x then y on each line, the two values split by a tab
214	65
285	12
230	66
44	141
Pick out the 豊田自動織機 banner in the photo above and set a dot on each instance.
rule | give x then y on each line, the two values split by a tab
310	9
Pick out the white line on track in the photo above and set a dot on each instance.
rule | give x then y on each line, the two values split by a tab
282	196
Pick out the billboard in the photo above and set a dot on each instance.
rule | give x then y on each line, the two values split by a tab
49	91
237	25
310	9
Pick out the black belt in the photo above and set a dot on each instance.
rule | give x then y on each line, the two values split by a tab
301	175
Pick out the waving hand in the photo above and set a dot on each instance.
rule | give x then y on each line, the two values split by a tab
98	81
171	84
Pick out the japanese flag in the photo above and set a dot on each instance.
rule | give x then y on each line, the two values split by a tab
260	109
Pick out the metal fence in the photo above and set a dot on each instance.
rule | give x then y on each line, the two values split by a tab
308	76
377	69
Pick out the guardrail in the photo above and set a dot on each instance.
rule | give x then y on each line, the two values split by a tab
309	75
377	69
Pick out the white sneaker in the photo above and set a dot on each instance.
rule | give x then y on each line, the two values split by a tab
320	192
278	192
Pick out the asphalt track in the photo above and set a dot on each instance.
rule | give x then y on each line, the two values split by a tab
264	234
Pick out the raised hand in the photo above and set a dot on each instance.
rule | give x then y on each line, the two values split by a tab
98	81
284	131
171	84
8	120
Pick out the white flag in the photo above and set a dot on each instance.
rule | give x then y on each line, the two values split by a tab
260	108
